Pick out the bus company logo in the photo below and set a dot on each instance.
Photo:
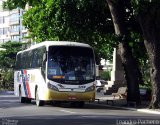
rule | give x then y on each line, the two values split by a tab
25	77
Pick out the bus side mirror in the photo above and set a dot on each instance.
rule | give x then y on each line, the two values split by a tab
97	70
44	57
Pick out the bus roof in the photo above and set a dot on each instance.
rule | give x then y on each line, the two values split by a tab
56	43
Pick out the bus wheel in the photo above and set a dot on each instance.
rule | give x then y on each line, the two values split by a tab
81	104
38	102
21	99
56	103
78	104
28	100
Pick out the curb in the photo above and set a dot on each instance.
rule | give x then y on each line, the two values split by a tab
149	111
117	107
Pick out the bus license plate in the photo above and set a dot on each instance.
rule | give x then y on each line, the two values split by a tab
71	97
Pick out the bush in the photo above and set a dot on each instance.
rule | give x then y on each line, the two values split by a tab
106	75
146	86
6	82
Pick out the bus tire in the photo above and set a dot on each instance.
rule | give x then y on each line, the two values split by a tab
78	104
56	103
38	102
21	99
81	104
28	100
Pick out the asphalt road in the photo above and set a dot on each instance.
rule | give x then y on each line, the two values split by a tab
14	113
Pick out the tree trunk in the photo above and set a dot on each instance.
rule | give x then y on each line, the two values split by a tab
132	72
150	25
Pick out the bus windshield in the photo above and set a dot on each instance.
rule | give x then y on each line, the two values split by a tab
66	64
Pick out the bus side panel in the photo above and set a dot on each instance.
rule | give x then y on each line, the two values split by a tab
36	80
28	80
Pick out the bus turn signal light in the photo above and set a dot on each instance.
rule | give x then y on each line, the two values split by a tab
58	77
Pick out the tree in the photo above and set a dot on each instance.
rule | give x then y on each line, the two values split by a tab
148	14
7	62
8	57
132	73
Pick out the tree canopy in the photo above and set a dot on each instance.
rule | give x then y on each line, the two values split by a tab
7	63
8	56
72	20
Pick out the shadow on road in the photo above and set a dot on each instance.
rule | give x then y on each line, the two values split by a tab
79	120
11	101
8	100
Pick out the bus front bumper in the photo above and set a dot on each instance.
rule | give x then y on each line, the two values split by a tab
69	96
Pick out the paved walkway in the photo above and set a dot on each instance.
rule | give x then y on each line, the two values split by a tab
122	103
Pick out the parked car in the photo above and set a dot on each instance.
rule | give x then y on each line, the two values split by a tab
100	84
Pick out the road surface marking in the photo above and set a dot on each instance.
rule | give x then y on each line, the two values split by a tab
67	111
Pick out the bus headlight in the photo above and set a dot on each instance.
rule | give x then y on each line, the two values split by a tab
50	86
91	88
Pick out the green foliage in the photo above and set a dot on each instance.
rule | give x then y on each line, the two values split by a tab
146	86
8	57
83	21
71	20
79	20
142	6
7	79
12	4
76	20
7	62
106	75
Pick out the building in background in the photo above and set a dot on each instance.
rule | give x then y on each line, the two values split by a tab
11	27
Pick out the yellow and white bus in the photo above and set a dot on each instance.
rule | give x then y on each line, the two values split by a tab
55	71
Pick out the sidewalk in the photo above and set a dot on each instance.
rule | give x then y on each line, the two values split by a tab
122	104
4	92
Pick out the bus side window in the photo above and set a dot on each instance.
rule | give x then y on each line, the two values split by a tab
30	57
27	60
43	62
34	61
24	58
40	57
37	57
18	62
